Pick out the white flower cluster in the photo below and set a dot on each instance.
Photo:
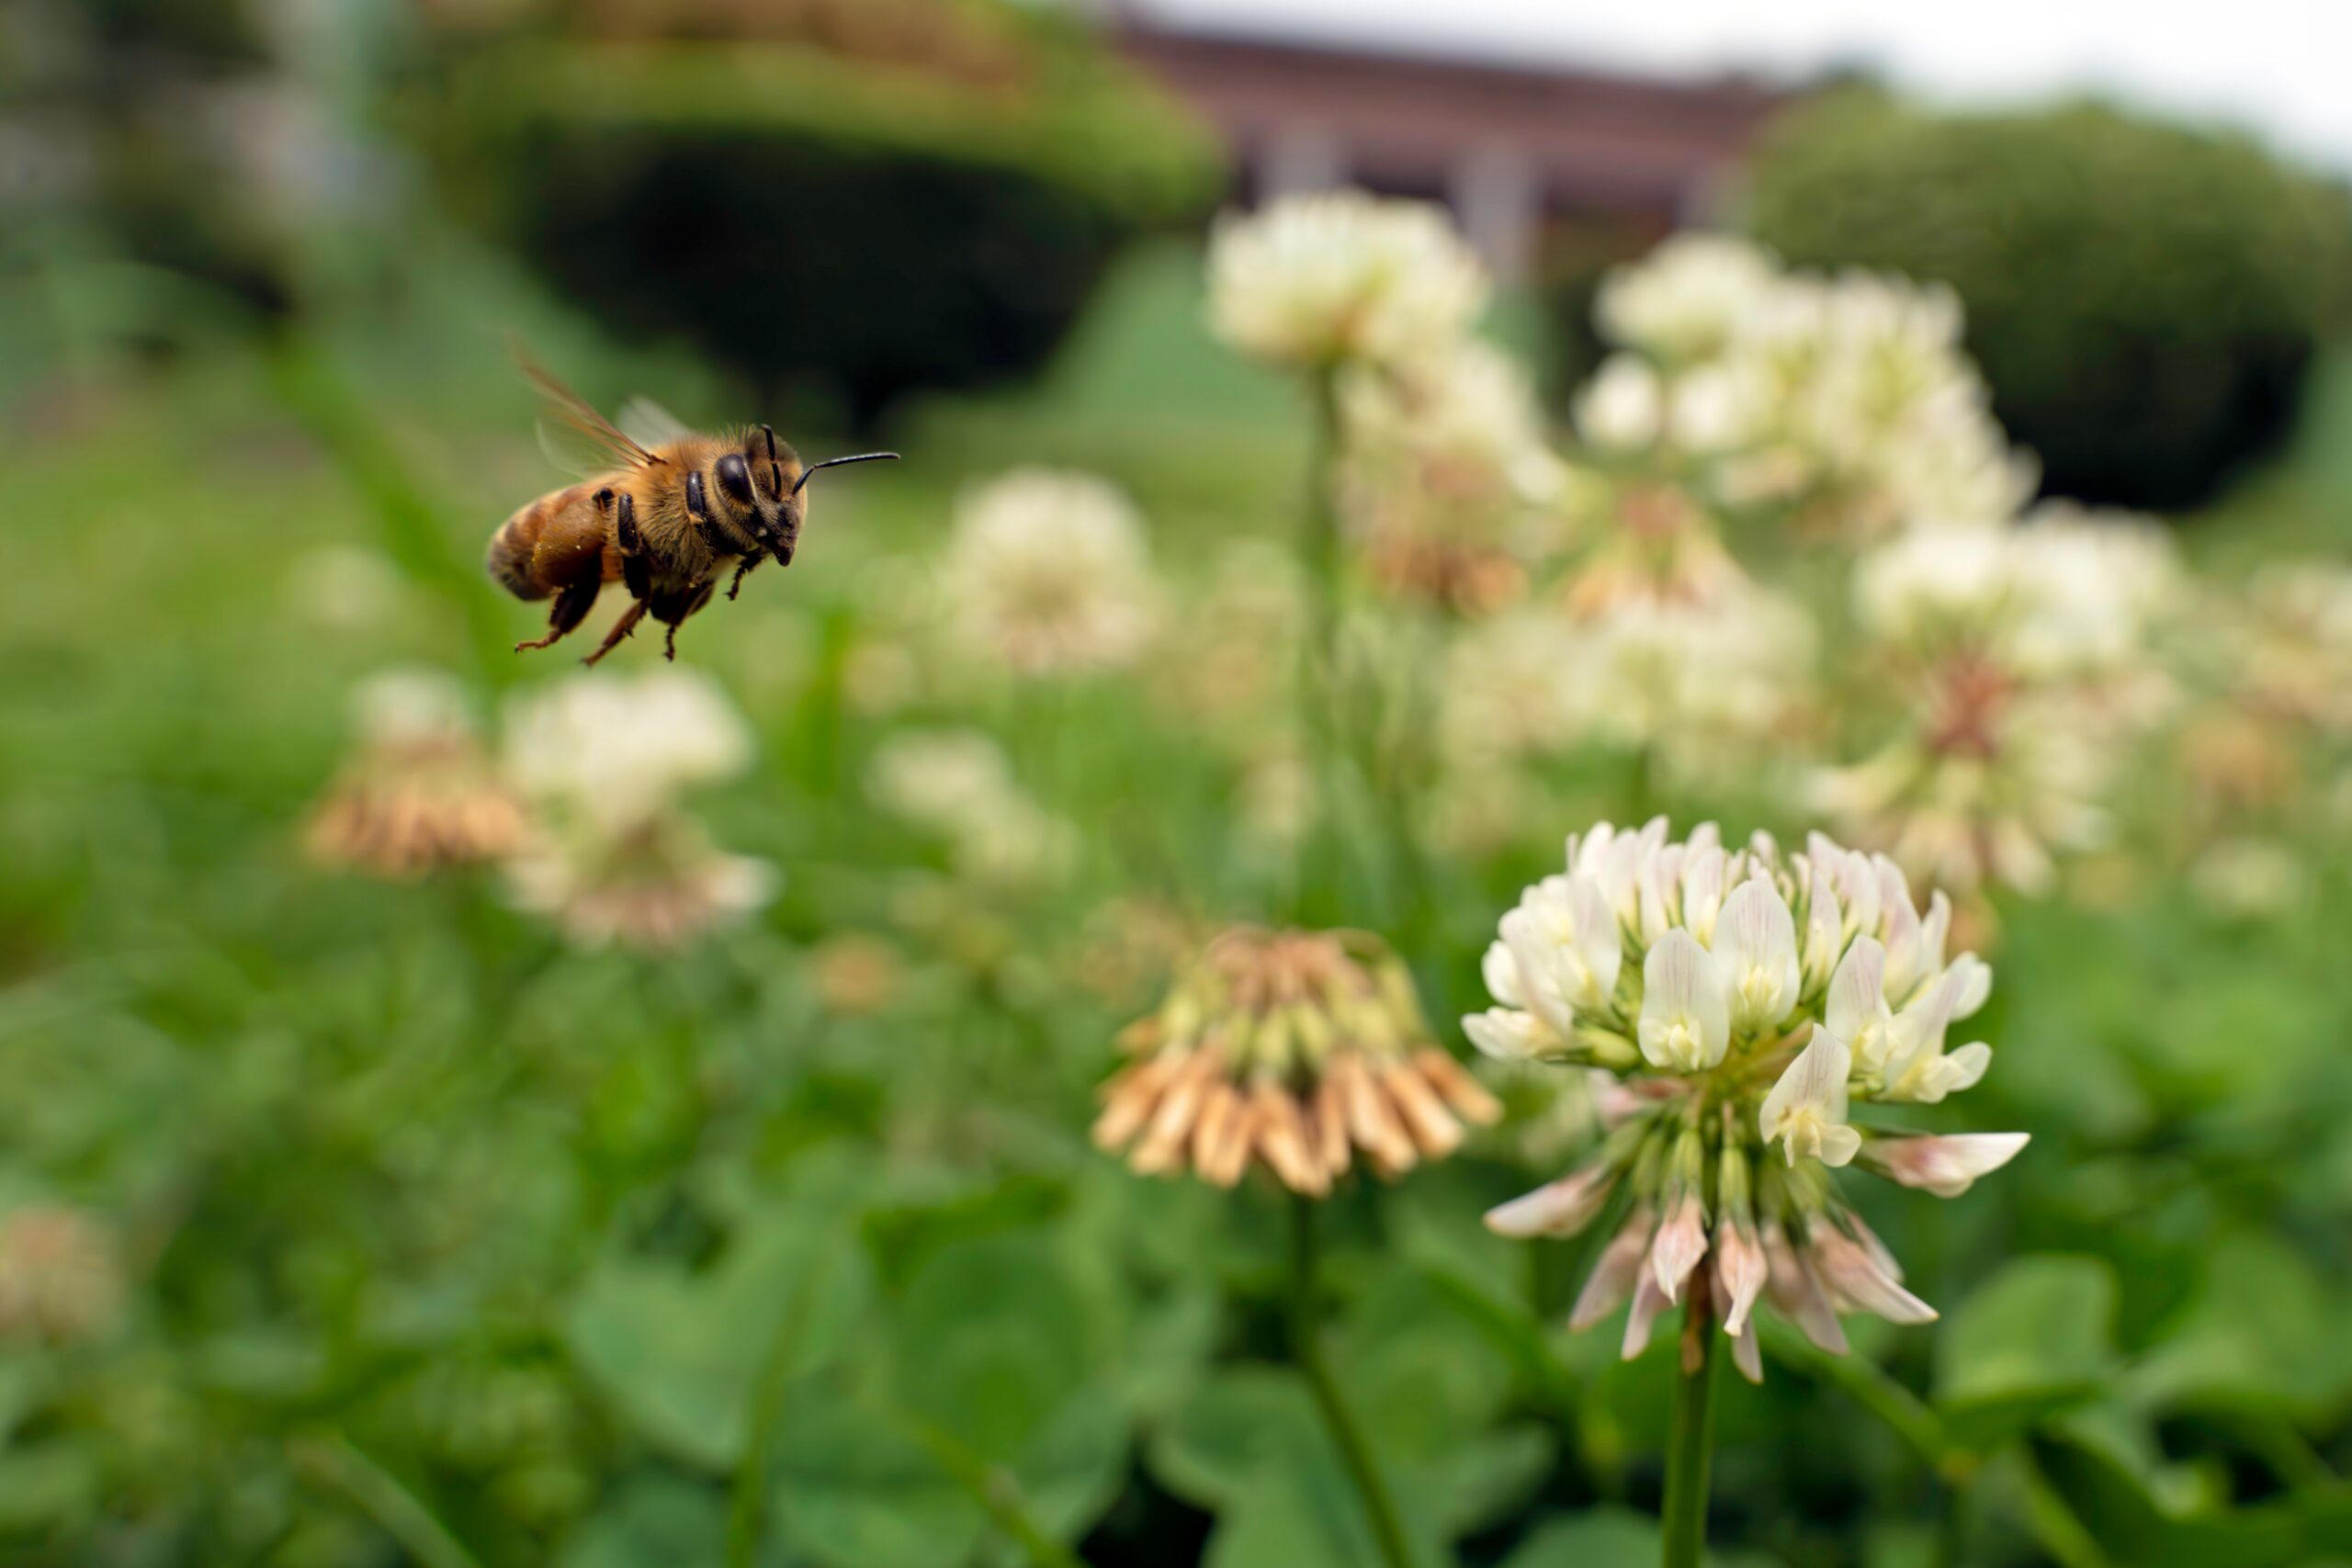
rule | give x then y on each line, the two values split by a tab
1320	281
1745	999
1049	572
959	783
1446	476
2025	650
606	759
1847	399
1659	642
2063	593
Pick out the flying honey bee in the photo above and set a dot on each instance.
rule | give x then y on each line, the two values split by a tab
665	512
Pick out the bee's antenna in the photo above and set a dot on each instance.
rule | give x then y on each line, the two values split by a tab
775	469
836	462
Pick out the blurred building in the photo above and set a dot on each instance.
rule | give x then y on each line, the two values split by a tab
1508	147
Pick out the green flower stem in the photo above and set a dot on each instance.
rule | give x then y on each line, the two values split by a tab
337	1461
1690	1437
747	1505
994	1489
1380	1508
1319	730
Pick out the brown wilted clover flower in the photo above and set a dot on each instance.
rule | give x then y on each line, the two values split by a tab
420	793
1294	1048
60	1280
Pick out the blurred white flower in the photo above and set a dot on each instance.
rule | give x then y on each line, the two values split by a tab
1049	572
1688	298
608	757
1322	280
2251	878
1446	478
1623	406
616	750
654	886
959	783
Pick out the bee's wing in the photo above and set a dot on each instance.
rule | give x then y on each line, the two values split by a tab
574	435
649	425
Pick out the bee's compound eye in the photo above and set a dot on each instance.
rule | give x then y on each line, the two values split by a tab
735	477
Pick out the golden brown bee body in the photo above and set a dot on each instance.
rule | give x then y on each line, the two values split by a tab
667	519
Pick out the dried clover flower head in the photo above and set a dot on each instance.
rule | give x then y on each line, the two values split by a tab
1294	1048
1743	1000
60	1278
420	792
1315	282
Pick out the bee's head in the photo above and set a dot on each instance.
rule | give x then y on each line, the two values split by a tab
765	487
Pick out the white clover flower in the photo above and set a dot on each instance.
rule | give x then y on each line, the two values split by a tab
656	885
1445	477
1050	572
1688	298
616	751
959	783
1743	1000
1315	282
1624	407
607	758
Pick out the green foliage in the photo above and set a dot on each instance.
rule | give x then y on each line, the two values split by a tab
2147	300
784	211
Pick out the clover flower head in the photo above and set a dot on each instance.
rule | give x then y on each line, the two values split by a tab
613	751
1446	478
959	783
1315	282
1049	572
654	886
1686	298
1743	1000
420	791
60	1275
1296	1049
607	759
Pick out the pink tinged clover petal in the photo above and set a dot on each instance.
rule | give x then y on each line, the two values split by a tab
1559	1208
1649	1303
1614	1276
1861	1281
1741	1272
1745	1353
1945	1165
1681	1242
1798	1295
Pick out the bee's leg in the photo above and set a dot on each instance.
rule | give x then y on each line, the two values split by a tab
621	629
571	608
675	611
743	571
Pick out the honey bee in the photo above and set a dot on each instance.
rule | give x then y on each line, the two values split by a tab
666	515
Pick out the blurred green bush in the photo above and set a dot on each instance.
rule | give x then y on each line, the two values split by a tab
814	193
2145	299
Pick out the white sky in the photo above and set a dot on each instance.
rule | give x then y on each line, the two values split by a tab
2282	69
